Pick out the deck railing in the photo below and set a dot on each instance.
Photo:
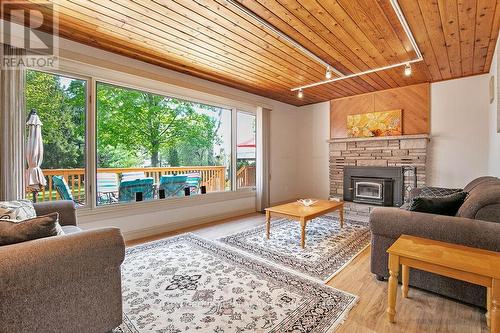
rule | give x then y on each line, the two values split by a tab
213	177
245	176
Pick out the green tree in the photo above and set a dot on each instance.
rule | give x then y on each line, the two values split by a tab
62	112
151	124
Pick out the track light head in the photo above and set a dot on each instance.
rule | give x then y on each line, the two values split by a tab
407	70
328	73
300	94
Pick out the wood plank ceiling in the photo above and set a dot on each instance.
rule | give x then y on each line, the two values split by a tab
214	40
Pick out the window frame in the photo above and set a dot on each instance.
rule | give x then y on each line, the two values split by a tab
92	75
87	79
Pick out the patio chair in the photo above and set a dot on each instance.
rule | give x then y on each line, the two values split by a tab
128	189
193	182
62	188
173	185
126	176
107	187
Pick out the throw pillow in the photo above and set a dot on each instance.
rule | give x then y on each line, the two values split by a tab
17	210
34	228
429	191
443	205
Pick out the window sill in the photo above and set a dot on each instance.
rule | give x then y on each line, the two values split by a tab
136	208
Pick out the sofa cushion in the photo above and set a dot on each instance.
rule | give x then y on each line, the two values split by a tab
17	210
442	205
12	232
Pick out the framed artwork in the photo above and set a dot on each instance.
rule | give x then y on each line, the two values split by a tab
383	123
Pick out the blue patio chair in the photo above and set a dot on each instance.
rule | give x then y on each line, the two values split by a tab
133	175
173	185
63	189
128	189
107	188
193	182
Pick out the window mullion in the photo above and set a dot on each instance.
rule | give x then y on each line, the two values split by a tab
91	142
233	148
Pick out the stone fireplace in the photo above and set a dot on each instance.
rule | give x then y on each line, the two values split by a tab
380	169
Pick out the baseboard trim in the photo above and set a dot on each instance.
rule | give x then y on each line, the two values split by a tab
179	225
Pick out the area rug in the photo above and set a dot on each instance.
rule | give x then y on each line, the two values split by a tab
188	284
328	249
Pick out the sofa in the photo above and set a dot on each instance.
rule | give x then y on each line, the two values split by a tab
67	283
476	224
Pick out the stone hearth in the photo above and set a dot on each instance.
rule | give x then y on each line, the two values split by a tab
406	150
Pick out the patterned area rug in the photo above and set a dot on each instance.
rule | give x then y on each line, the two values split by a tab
188	284
328	247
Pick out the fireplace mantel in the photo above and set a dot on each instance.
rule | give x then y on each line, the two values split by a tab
382	138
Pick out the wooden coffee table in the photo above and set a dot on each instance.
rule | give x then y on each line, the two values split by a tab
459	262
297	211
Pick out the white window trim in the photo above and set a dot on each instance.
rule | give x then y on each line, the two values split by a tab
92	75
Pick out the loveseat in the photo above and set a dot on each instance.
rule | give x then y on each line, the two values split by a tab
68	283
476	224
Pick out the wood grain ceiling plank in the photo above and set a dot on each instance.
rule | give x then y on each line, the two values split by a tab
371	19
432	19
181	52
190	50
215	28
484	21
368	54
493	38
350	87
448	10
172	18
143	26
302	67
395	48
77	33
421	72
415	20
311	41
467	26
298	17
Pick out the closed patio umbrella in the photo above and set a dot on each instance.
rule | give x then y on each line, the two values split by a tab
35	179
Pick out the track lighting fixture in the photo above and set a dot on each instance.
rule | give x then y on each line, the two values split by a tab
328	73
407	69
300	94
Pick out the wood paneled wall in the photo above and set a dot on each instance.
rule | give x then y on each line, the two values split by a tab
413	100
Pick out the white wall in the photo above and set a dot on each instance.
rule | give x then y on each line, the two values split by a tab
283	137
494	136
313	151
459	131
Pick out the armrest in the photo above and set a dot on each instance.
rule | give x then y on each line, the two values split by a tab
65	208
50	262
394	222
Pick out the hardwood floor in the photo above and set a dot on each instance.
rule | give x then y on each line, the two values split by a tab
422	312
